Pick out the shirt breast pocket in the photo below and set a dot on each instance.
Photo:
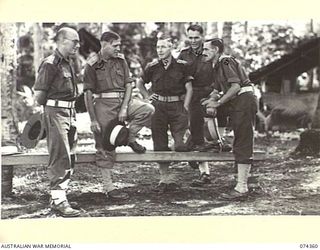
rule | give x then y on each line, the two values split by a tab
119	76
176	76
175	83
101	75
156	77
67	80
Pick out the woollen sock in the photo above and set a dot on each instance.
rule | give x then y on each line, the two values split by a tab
107	180
242	180
204	167
58	196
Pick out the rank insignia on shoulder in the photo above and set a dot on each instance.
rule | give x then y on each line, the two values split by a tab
184	48
52	59
93	59
224	59
121	56
153	62
56	60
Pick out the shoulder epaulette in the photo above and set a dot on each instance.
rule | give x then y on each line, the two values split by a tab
182	61
184	48
121	56
52	59
153	63
92	60
225	59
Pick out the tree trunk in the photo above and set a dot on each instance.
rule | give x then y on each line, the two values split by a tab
8	61
38	51
245	27
212	30
177	29
226	36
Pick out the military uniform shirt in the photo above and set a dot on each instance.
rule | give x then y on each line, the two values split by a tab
107	76
56	77
190	56
201	71
167	82
203	75
228	71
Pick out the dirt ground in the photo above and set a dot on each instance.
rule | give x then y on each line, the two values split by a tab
281	185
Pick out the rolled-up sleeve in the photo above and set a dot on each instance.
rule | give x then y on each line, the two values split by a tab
127	77
146	75
230	71
89	78
187	76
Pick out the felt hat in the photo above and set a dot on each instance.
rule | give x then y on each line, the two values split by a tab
116	134
79	104
33	131
211	132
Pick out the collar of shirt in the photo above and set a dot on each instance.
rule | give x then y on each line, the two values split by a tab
166	63
101	59
60	56
197	52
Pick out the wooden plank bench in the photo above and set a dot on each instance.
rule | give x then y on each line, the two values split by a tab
26	159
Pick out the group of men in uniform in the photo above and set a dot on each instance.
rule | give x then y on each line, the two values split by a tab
200	82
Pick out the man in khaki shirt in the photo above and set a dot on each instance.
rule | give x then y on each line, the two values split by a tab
108	88
238	97
56	90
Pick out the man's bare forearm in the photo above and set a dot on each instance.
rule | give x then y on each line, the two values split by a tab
189	93
142	88
88	99
127	96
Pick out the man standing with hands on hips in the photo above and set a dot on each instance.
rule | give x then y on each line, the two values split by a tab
172	92
231	79
56	90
